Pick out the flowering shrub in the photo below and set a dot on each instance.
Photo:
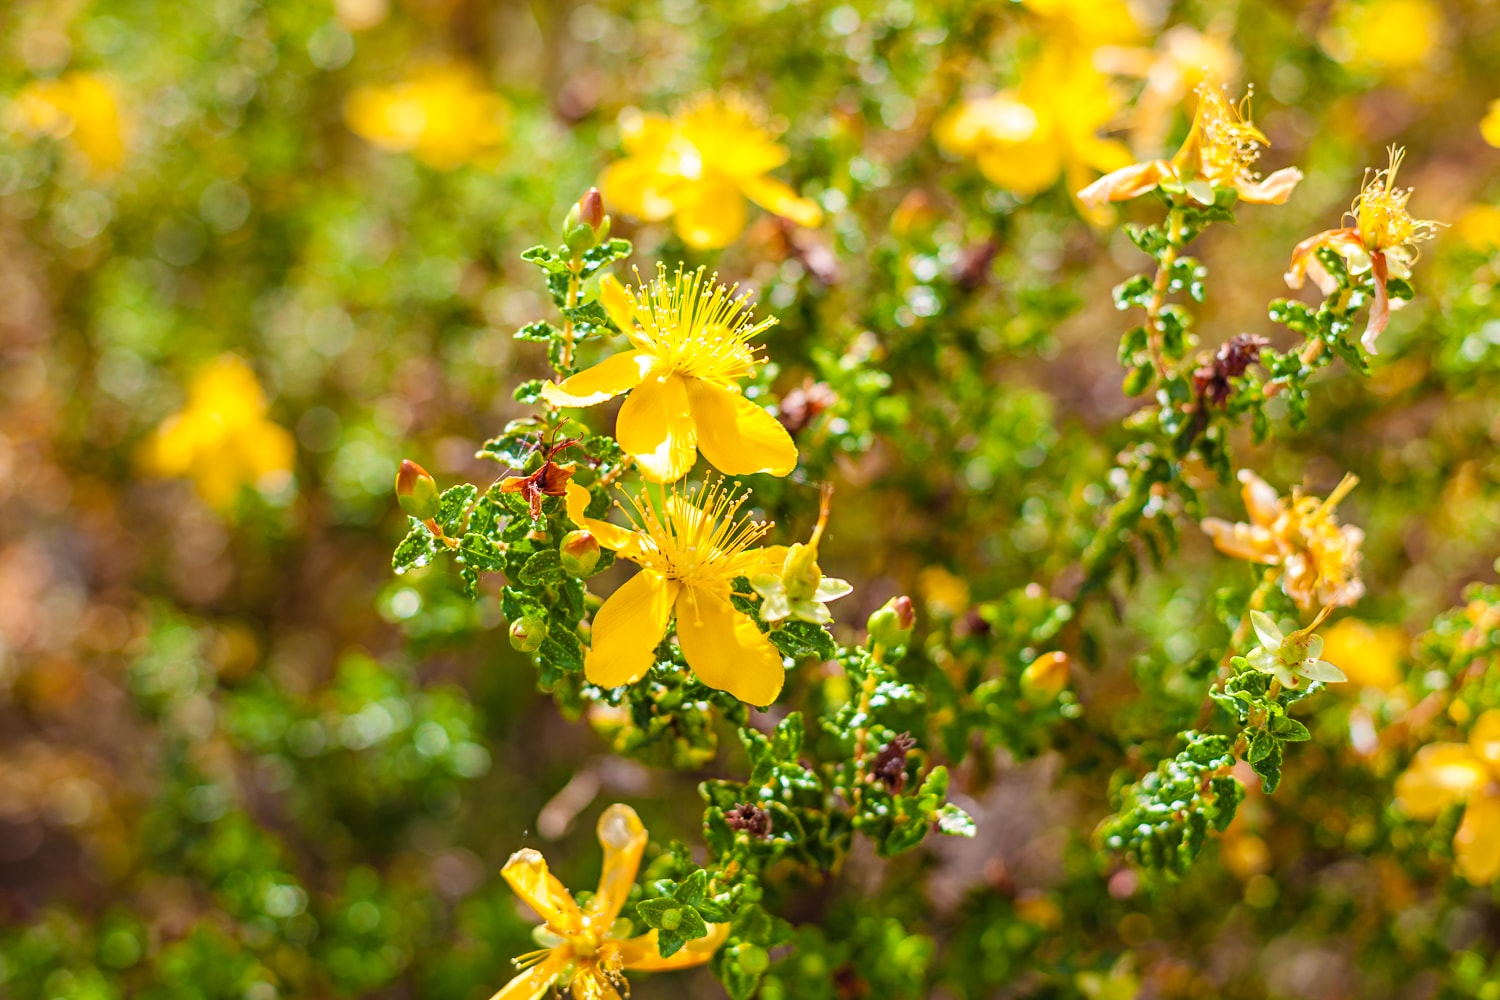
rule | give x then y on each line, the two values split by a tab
914	481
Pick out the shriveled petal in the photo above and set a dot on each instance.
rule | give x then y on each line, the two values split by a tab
1266	630
656	426
611	536
1476	845
779	199
710	213
1303	253
1439	775
1126	183
726	649
624	840
736	436
1242	541
533	881
534	983
1272	190
610	377
628	628
642	954
1380	309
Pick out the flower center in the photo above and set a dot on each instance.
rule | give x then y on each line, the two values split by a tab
696	326
695	537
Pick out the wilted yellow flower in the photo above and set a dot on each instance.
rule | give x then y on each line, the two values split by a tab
799	589
443	115
690	548
1489	125
222	439
1370	654
1026	138
1183	59
1382	240
690	338
1443	774
585	949
1220	151
1319	558
81	107
1386	36
698	167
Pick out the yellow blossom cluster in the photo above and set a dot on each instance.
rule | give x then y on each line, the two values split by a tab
82	108
444	115
1444	774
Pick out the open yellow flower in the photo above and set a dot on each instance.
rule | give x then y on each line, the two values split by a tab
1220	151
585	948
1026	138
222	438
690	548
1383	240
1319	557
1443	774
698	167
444	115
690	347
82	107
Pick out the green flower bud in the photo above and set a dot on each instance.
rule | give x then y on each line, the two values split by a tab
527	633
891	625
579	552
417	491
586	226
671	920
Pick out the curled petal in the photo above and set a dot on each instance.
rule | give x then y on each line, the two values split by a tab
624	841
611	536
610	377
726	649
1126	183
628	628
737	436
1338	240
533	881
1273	190
1380	309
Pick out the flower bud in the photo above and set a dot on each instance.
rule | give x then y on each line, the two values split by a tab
527	633
587	226
417	491
1046	676
579	552
891	625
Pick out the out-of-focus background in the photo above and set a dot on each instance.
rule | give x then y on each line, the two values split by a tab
253	254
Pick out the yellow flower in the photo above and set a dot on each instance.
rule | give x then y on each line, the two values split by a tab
690	347
1443	774
1489	125
1183	59
1085	24
1025	138
82	107
698	167
1319	558
222	439
942	592
585	949
1219	152
444	115
1370	654
1387	36
1382	240
690	548
1479	227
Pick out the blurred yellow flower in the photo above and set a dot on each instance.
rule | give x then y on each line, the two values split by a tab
1385	36
1183	59
698	167
1443	774
690	548
1382	240
1370	655
586	947
690	347
1085	24
1319	557
942	592
1220	151
443	115
1479	227
1489	125
222	439
81	107
1026	138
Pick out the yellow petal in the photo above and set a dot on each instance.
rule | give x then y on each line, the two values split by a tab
1242	541
610	377
616	303
627	629
643	954
1023	168
534	983
636	186
710	213
611	536
738	437
656	426
1440	774
1476	845
1272	190
1489	127
533	881
725	649
624	840
779	199
1126	183
1484	738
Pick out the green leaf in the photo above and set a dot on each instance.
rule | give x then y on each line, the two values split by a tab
1261	746
480	553
1289	729
452	505
416	549
543	568
954	822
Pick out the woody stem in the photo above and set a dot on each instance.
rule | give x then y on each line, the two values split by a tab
1155	330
